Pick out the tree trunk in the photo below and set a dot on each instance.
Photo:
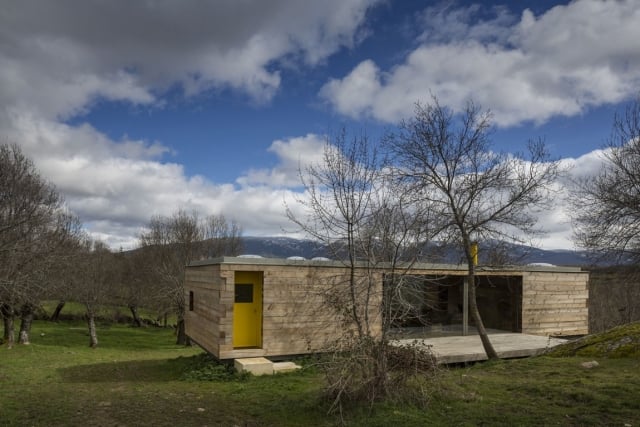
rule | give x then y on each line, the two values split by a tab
26	319
93	335
181	334
475	314
56	313
134	313
7	316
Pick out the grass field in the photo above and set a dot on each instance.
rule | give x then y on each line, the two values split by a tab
138	377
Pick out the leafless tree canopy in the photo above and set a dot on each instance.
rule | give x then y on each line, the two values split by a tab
445	161
95	272
35	229
171	243
353	210
340	195
340	206
607	206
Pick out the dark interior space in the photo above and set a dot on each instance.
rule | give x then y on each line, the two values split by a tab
432	304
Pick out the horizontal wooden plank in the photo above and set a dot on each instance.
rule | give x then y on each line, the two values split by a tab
553	276
555	297
556	305
560	318
551	325
555	287
241	353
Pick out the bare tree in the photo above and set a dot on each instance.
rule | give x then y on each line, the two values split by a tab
93	276
59	277
607	206
221	236
447	163
340	206
55	251
33	225
171	243
349	209
133	288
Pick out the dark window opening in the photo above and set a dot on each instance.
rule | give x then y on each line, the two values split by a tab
244	293
190	300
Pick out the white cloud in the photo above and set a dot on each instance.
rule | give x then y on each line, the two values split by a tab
294	155
115	187
571	58
444	23
57	60
589	164
58	57
556	220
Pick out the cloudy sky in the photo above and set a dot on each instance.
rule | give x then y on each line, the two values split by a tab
137	108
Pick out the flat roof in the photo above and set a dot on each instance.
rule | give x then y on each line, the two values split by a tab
323	262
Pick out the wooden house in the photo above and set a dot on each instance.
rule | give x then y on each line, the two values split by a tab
251	307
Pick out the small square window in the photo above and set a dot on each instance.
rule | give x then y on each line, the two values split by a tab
244	293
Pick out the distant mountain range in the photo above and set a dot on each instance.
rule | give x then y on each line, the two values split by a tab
284	247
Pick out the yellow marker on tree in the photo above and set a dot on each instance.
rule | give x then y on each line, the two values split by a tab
474	252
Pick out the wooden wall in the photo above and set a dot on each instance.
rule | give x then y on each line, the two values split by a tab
202	324
297	319
555	303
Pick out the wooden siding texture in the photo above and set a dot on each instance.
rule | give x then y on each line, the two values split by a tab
297	320
203	323
555	303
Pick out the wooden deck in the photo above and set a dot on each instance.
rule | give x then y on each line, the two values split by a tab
461	349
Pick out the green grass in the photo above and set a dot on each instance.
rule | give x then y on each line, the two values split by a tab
621	341
136	376
139	377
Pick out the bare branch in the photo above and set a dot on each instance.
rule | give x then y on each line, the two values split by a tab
607	206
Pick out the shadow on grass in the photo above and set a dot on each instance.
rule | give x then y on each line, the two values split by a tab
153	370
117	337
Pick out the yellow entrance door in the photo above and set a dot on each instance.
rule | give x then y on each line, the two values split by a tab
247	309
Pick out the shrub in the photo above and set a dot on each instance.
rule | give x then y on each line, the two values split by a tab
368	370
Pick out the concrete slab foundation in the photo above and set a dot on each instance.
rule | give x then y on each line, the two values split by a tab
460	349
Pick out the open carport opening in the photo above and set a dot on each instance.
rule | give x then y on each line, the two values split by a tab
432	305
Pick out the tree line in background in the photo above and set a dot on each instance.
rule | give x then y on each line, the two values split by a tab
45	255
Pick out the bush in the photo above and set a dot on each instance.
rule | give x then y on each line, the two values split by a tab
368	370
